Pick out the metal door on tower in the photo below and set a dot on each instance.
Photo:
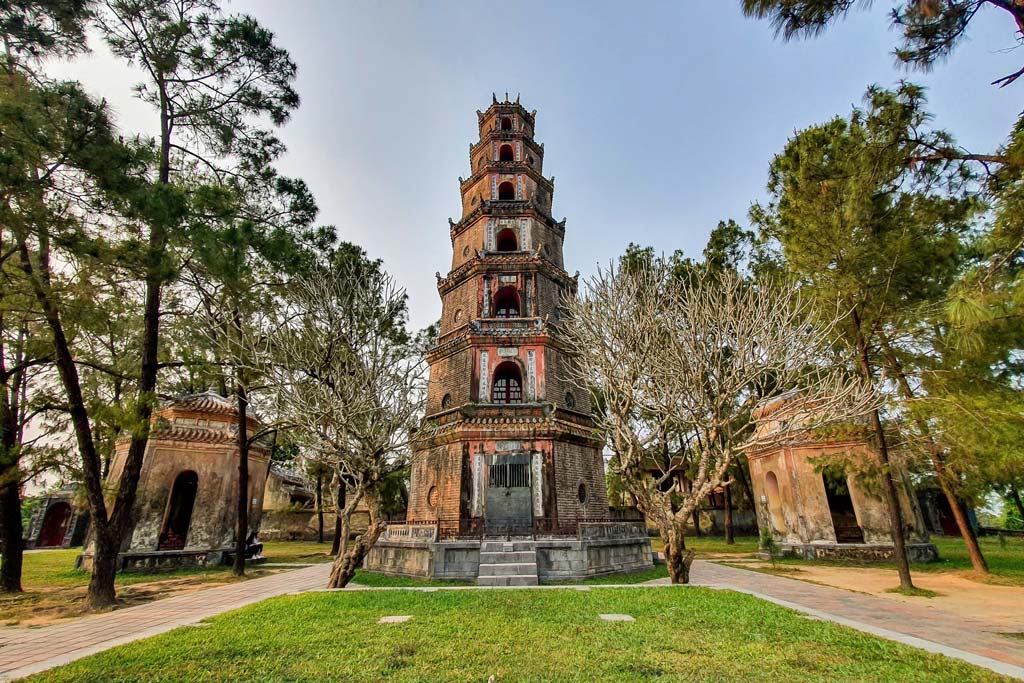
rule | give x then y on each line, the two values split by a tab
509	500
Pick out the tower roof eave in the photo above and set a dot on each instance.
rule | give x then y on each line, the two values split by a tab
508	167
517	208
496	262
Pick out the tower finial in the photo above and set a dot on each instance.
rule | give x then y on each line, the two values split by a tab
506	96
517	98
494	97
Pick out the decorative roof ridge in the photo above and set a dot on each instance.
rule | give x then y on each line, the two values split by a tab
177	432
483	259
488	206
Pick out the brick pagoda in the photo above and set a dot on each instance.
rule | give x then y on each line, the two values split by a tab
512	451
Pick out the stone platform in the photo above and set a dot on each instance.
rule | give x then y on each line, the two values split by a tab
857	552
597	549
162	560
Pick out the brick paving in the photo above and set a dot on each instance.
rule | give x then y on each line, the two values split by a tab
25	651
920	624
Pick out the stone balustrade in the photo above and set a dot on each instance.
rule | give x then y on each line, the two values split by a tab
426	533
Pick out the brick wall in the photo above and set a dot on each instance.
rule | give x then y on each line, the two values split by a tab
465	298
575	464
468	241
451	375
541	235
436	468
558	384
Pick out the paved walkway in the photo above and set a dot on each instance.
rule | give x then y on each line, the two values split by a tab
919	625
25	651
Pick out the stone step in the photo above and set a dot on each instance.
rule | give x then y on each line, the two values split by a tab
507	546
503	558
509	569
508	580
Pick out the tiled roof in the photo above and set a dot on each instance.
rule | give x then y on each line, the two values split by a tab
206	402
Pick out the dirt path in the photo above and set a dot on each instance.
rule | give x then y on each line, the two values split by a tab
958	592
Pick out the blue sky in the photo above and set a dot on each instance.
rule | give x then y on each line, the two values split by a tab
659	119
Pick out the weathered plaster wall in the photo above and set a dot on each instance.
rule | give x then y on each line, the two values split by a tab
804	500
215	511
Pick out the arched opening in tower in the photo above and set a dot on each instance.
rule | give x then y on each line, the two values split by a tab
774	495
507	303
506	153
506	240
840	506
55	525
508	383
507	190
506	124
179	511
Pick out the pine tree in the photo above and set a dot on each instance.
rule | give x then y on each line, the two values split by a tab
868	236
932	29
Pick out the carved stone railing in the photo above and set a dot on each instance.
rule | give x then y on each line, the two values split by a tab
476	528
602	531
426	533
506	325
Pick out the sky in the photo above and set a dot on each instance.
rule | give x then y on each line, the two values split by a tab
658	119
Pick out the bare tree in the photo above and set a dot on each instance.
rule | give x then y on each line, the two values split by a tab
680	361
353	384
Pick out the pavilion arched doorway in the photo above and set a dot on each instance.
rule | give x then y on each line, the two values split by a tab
774	495
55	525
840	506
179	511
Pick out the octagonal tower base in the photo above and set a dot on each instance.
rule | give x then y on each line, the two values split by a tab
598	549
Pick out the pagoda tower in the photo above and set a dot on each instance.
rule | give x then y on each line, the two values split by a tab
511	450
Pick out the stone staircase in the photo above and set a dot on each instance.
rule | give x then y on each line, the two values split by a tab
508	563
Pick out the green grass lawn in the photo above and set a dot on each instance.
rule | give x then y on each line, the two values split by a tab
705	545
298	552
56	569
658	571
680	634
1005	560
55	588
377	580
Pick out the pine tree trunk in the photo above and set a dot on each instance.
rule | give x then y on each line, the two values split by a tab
104	569
10	526
106	530
963	524
10	492
319	505
942	473
242	530
729	540
892	500
1015	497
